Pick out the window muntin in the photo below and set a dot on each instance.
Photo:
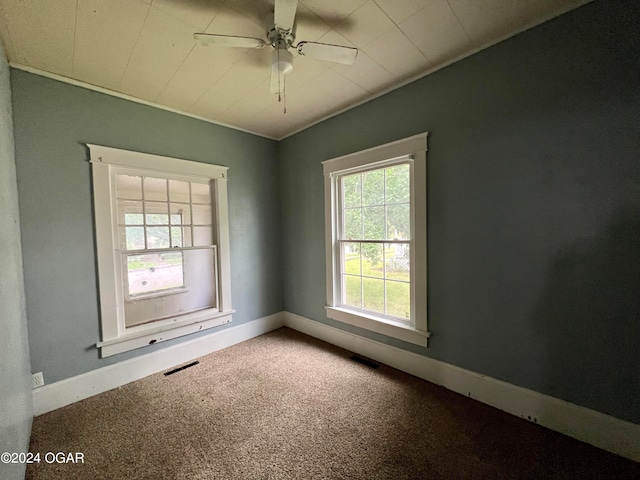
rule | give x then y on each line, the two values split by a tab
374	233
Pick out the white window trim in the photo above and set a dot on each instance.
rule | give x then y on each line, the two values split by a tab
414	148
116	338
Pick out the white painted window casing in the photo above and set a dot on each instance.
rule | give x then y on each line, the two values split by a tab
118	335
410	151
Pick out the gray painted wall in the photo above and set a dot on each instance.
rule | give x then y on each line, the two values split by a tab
53	121
534	211
534	206
16	408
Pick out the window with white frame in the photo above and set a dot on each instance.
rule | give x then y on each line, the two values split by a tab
375	204
162	239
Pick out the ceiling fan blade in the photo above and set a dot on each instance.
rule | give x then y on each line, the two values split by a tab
228	40
277	81
285	13
331	53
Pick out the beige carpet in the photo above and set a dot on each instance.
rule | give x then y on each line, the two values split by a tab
286	406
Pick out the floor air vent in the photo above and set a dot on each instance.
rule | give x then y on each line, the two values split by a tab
365	361
176	370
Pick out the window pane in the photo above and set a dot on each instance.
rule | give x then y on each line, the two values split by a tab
352	224
372	260
398	299
129	212
179	191
373	294
399	222
397	262
397	183
352	293
154	272
200	193
373	187
201	236
201	214
155	189
157	237
351	190
132	238
351	258
133	218
373	218
129	187
156	213
180	214
177	237
181	236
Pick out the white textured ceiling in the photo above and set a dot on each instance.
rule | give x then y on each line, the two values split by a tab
145	49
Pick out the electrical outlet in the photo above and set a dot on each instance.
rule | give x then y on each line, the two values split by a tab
37	380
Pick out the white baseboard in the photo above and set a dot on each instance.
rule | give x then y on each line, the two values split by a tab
589	426
70	390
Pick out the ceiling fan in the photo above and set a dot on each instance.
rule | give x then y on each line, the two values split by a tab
281	38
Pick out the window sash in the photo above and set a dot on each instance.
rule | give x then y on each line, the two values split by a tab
193	203
342	274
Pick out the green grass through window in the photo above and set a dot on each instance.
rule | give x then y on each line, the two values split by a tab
369	293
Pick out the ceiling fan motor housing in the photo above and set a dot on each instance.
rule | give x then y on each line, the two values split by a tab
277	36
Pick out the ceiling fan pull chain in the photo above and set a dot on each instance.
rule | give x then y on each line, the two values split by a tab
284	93
279	87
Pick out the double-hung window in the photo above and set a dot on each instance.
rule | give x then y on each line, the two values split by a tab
375	204
163	247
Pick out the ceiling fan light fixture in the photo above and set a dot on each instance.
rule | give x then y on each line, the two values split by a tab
282	60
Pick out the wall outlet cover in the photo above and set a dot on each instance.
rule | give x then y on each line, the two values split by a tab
37	380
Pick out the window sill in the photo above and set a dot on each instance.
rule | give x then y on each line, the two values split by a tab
391	329
139	337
